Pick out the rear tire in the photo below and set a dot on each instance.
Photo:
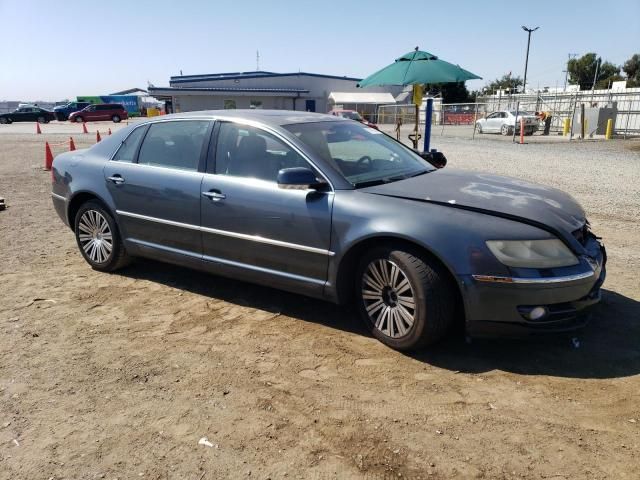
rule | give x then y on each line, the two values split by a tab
98	238
506	130
40	120
4	121
405	299
116	119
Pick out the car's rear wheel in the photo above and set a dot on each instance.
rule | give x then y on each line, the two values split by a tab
116	119
41	120
4	121
79	119
405	299
98	238
478	128
506	130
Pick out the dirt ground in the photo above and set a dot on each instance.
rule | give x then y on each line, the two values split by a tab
119	376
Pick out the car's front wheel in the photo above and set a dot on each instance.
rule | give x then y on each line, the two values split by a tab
478	128
116	119
78	119
405	298
98	238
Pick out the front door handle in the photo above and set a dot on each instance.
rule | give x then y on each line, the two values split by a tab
214	195
117	179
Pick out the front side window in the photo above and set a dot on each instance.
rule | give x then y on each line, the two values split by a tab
127	151
363	155
245	151
174	144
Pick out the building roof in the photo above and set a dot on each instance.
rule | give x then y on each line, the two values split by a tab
130	91
230	89
246	75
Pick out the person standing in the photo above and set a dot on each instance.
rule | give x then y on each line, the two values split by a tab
546	118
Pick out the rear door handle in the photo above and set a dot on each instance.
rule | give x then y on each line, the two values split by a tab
214	195
117	179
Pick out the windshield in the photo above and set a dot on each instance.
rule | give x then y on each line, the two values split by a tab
363	155
351	115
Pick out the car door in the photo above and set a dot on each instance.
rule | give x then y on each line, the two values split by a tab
23	114
254	229
154	180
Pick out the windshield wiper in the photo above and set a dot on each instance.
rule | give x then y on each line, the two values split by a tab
371	183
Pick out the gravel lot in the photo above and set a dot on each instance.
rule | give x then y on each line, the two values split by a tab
120	376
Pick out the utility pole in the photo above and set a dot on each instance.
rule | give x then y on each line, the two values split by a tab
526	62
258	60
566	72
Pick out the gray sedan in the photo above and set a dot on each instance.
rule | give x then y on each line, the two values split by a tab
329	208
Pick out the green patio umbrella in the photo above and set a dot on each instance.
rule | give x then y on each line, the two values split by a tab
418	68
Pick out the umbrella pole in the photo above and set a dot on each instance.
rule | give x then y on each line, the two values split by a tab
415	138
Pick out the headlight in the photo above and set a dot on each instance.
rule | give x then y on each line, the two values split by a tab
532	253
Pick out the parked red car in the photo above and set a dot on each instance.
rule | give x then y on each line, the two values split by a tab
353	115
103	111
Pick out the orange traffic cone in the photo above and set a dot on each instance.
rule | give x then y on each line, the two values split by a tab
84	128
109	131
98	136
72	145
48	156
38	127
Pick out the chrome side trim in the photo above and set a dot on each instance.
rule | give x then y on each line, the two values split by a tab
59	197
520	280
230	263
242	236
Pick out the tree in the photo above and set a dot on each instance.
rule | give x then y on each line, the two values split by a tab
583	70
451	92
507	82
632	68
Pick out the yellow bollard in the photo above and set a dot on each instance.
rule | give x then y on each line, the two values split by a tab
567	127
609	131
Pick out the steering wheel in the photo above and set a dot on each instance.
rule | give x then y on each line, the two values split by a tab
363	159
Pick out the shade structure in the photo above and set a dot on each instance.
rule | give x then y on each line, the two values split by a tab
418	67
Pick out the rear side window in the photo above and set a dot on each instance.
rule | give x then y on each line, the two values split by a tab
127	151
174	144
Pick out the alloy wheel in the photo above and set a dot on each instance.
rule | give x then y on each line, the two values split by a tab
388	298
95	236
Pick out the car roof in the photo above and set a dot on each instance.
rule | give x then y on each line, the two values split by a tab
268	117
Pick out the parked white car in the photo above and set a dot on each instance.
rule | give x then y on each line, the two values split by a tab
504	121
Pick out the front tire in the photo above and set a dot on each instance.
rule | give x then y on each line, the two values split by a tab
506	130
478	128
79	119
98	238
405	299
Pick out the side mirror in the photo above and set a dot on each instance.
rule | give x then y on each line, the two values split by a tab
434	157
298	178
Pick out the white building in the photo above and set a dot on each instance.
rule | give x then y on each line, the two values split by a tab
284	91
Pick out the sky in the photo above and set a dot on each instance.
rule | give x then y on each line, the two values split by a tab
51	50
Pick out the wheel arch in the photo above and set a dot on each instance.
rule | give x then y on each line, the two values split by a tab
79	199
347	267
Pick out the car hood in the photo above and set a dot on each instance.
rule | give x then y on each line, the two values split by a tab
532	203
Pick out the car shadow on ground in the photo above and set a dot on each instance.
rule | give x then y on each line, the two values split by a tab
609	347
